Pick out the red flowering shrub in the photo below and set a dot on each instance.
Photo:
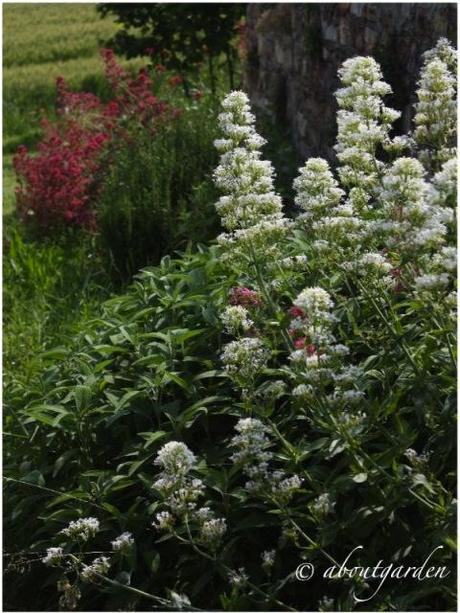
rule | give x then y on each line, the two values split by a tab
58	185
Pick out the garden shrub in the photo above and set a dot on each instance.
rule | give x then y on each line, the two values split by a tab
284	396
158	191
160	148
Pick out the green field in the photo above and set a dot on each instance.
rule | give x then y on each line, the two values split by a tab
40	43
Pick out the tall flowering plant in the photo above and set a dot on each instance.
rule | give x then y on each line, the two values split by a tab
378	246
320	423
58	186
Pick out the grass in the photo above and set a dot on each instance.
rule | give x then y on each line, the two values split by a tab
50	287
66	42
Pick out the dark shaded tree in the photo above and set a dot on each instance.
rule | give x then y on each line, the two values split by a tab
182	37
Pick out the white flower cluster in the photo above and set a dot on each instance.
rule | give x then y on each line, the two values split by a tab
245	358
438	271
446	259
316	302
123	543
250	209
212	531
175	458
322	506
296	262
252	454
82	529
99	566
436	109
444	185
431	282
317	353
236	319
181	494
333	224
53	556
180	489
363	122
372	264
317	190
251	443
238	578
415	223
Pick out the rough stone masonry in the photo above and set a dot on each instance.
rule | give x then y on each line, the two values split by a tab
294	51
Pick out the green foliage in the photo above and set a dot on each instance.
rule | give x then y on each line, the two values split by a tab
158	192
147	371
49	287
376	469
144	368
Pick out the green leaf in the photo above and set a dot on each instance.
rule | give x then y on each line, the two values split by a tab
82	395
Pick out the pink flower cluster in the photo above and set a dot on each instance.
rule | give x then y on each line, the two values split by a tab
300	341
244	296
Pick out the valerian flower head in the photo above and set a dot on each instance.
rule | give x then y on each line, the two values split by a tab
314	301
81	529
250	209
283	488
245	357
412	223
123	543
175	458
317	190
431	282
212	532
444	185
99	566
238	578
436	110
446	259
236	319
372	264
443	51
363	122
404	183
244	296
53	556
251	441
179	602
268	560
164	521
183	500
322	506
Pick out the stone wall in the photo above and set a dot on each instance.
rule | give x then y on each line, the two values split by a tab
294	51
